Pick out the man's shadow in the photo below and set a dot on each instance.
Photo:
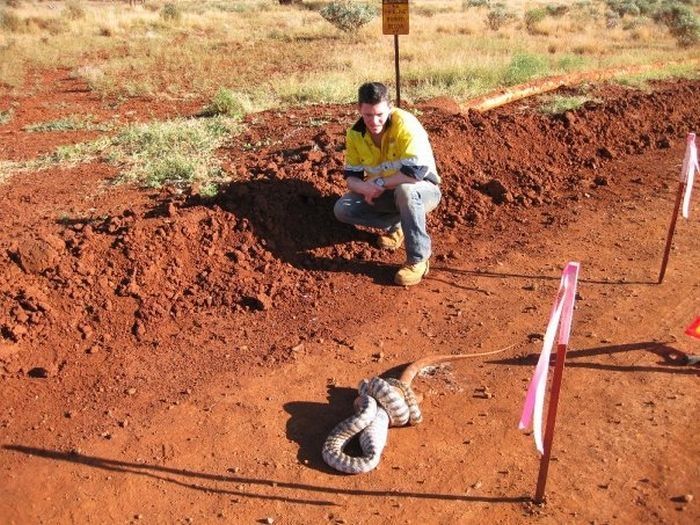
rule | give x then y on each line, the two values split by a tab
293	218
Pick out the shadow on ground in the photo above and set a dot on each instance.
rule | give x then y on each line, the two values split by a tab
193	480
294	220
674	361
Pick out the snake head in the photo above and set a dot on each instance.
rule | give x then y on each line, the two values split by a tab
362	387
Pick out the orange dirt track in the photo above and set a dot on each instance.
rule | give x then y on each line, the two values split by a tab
167	358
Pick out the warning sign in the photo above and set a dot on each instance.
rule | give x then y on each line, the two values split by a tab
395	17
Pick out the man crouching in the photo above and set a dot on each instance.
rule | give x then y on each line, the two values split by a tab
390	172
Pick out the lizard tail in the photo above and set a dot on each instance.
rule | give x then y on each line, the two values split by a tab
414	368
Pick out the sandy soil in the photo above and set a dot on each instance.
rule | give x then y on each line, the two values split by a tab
167	358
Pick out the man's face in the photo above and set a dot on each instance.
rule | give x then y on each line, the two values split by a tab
375	116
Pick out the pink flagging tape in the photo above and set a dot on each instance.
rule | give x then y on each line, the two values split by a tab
690	166
694	329
560	320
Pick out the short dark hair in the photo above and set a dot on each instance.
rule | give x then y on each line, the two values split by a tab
372	93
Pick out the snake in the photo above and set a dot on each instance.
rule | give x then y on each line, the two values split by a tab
381	403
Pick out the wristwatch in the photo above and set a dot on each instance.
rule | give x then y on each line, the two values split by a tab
379	181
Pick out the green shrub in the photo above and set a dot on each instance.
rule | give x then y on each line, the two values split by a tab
348	16
179	152
559	104
498	16
557	10
170	12
647	7
632	7
74	10
228	103
681	22
533	17
624	7
524	67
612	19
466	4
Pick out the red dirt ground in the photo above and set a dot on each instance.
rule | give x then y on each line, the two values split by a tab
167	358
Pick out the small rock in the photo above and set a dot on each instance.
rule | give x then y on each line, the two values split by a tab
38	372
18	331
497	191
20	315
664	143
139	330
36	256
605	153
687	498
269	520
477	485
131	391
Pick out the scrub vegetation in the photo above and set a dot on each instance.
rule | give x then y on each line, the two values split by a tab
246	55
179	152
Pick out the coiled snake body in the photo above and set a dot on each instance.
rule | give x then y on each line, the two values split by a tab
381	403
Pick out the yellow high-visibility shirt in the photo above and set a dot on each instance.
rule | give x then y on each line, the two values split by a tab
405	147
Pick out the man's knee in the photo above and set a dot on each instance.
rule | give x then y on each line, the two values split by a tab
404	194
343	209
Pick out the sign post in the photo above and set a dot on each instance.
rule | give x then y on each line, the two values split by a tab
395	22
685	187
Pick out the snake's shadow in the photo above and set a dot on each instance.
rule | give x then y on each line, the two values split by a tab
310	423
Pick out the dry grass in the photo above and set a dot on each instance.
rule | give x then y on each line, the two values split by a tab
288	54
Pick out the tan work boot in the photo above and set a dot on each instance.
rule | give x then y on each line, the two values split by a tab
411	274
391	241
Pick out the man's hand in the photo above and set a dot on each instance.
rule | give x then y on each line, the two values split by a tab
370	191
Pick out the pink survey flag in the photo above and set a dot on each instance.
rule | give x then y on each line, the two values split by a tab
559	322
690	167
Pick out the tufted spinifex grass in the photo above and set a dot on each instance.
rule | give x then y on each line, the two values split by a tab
179	152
